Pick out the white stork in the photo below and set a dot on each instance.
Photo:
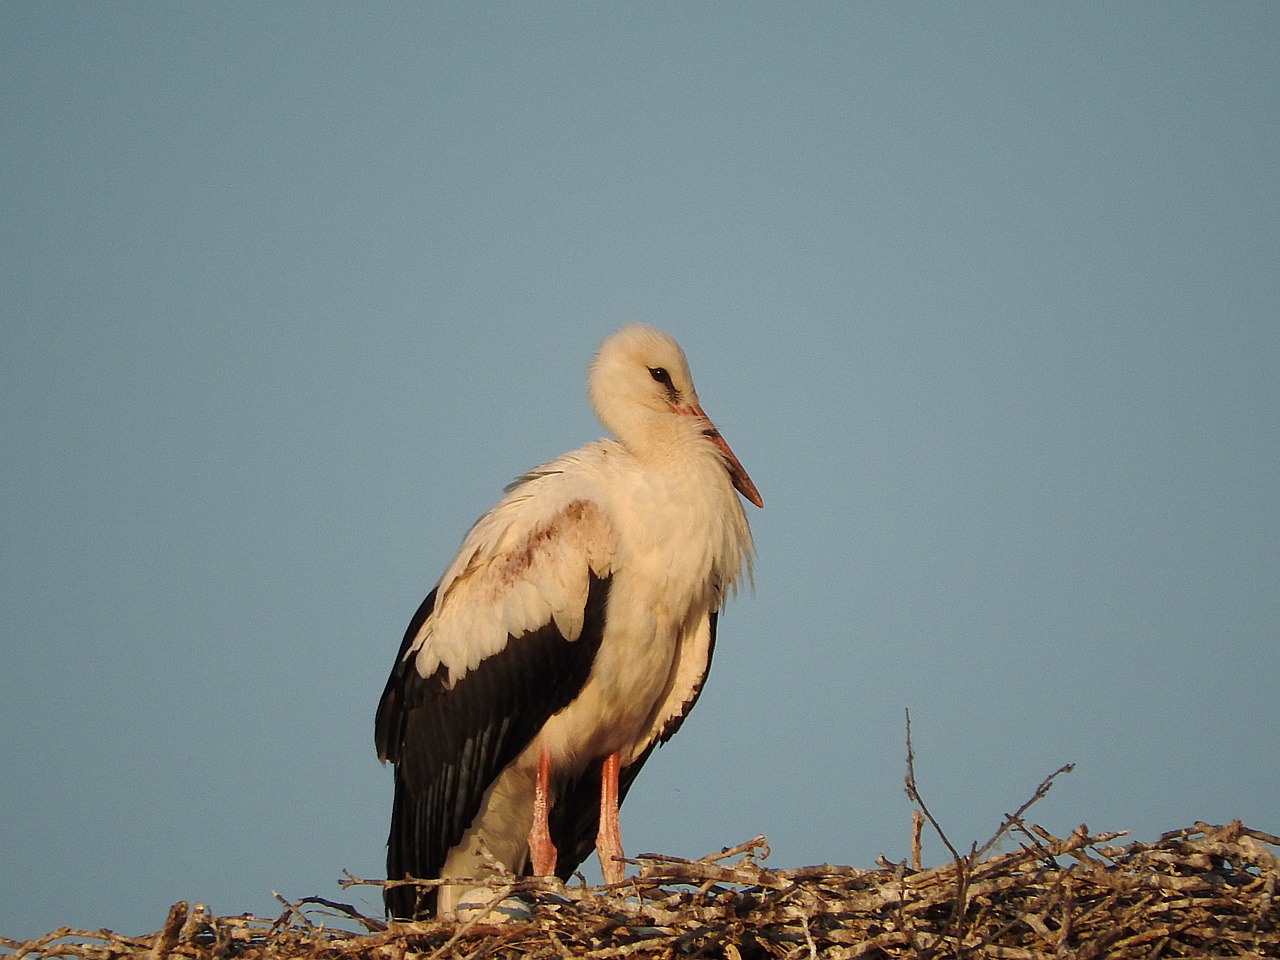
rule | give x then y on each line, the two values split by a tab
570	635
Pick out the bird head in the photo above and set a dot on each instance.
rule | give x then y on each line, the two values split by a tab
641	389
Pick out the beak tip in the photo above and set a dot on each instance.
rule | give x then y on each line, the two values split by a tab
748	490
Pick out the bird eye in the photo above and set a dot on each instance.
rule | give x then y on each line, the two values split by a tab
660	374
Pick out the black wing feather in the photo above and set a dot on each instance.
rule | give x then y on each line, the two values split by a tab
449	744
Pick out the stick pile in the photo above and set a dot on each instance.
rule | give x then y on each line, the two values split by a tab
1204	891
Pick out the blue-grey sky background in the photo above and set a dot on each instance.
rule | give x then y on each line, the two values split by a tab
985	298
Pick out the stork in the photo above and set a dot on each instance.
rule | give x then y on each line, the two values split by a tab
569	636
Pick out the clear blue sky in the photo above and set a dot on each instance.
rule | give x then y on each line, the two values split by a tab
985	298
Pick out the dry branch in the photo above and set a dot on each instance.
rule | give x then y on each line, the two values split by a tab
1204	891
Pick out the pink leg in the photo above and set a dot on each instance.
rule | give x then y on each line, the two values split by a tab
542	852
608	836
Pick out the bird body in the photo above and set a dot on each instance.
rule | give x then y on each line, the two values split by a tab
573	628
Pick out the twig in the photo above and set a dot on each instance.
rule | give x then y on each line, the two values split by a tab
913	793
291	909
1011	819
960	904
748	847
167	938
348	910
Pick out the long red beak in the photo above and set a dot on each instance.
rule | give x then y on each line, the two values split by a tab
741	482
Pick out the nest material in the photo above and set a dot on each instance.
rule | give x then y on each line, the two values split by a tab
1201	891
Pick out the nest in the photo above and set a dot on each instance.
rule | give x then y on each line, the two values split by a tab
1201	891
